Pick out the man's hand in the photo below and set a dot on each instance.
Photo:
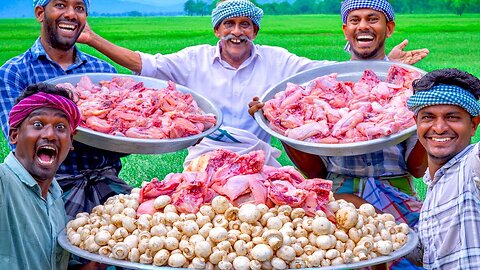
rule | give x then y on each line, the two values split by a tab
407	57
86	35
254	106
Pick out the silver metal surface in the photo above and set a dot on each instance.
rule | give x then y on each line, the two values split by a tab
136	145
347	71
411	244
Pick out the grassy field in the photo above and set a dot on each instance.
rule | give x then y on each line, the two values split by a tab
452	41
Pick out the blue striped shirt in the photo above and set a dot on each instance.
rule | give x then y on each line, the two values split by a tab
449	226
36	66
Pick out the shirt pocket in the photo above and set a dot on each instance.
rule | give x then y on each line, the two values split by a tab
448	238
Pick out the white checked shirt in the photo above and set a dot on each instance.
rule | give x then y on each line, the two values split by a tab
449	226
201	69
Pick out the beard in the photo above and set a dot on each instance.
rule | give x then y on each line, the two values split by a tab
366	55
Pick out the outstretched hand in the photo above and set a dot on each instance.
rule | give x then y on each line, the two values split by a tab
407	57
86	35
254	106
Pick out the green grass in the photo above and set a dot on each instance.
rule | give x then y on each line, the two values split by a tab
452	41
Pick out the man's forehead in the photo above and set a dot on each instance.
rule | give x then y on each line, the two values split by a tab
447	109
240	18
365	12
46	111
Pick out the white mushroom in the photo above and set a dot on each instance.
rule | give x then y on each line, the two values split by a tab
161	201
262	252
220	204
203	249
347	217
384	247
249	213
176	260
286	253
241	263
120	251
161	257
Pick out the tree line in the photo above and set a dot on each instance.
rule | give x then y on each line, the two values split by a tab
282	7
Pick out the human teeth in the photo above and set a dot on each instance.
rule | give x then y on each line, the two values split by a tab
441	139
364	37
67	26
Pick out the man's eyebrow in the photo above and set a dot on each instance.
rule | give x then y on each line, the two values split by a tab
40	113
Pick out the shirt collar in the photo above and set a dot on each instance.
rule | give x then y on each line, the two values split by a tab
217	56
37	51
429	181
12	162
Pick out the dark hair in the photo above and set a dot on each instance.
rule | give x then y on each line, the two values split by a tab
45	88
451	76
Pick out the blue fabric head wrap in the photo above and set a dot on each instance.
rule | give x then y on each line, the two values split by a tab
236	8
378	5
446	95
43	3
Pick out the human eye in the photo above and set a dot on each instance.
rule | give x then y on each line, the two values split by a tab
353	20
80	9
245	24
227	24
61	126
37	124
426	117
374	19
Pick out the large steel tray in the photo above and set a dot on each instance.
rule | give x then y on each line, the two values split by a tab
347	71
136	145
411	244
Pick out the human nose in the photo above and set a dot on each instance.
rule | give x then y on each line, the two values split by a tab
237	30
48	132
439	126
363	24
69	12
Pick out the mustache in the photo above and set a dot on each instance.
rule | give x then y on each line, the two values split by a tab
230	36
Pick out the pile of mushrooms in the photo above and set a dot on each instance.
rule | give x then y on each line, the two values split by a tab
223	236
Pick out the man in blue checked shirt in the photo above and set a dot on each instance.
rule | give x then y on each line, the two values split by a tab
88	176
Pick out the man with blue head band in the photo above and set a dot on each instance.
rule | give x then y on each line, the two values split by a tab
447	114
366	25
237	8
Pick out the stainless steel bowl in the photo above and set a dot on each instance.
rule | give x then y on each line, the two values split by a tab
411	244
347	71
136	145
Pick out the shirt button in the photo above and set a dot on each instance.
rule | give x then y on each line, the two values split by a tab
369	164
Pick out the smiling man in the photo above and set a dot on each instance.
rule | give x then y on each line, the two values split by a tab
366	26
447	113
32	212
54	54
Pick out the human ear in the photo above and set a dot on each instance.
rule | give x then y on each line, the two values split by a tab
217	32
39	13
13	135
390	28
475	123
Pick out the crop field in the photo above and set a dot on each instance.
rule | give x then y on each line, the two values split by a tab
452	41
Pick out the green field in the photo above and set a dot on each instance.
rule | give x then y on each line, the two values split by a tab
452	41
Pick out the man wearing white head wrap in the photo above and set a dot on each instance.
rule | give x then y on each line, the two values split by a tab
447	114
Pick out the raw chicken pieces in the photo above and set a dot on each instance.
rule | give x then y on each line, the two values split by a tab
240	178
326	110
127	108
